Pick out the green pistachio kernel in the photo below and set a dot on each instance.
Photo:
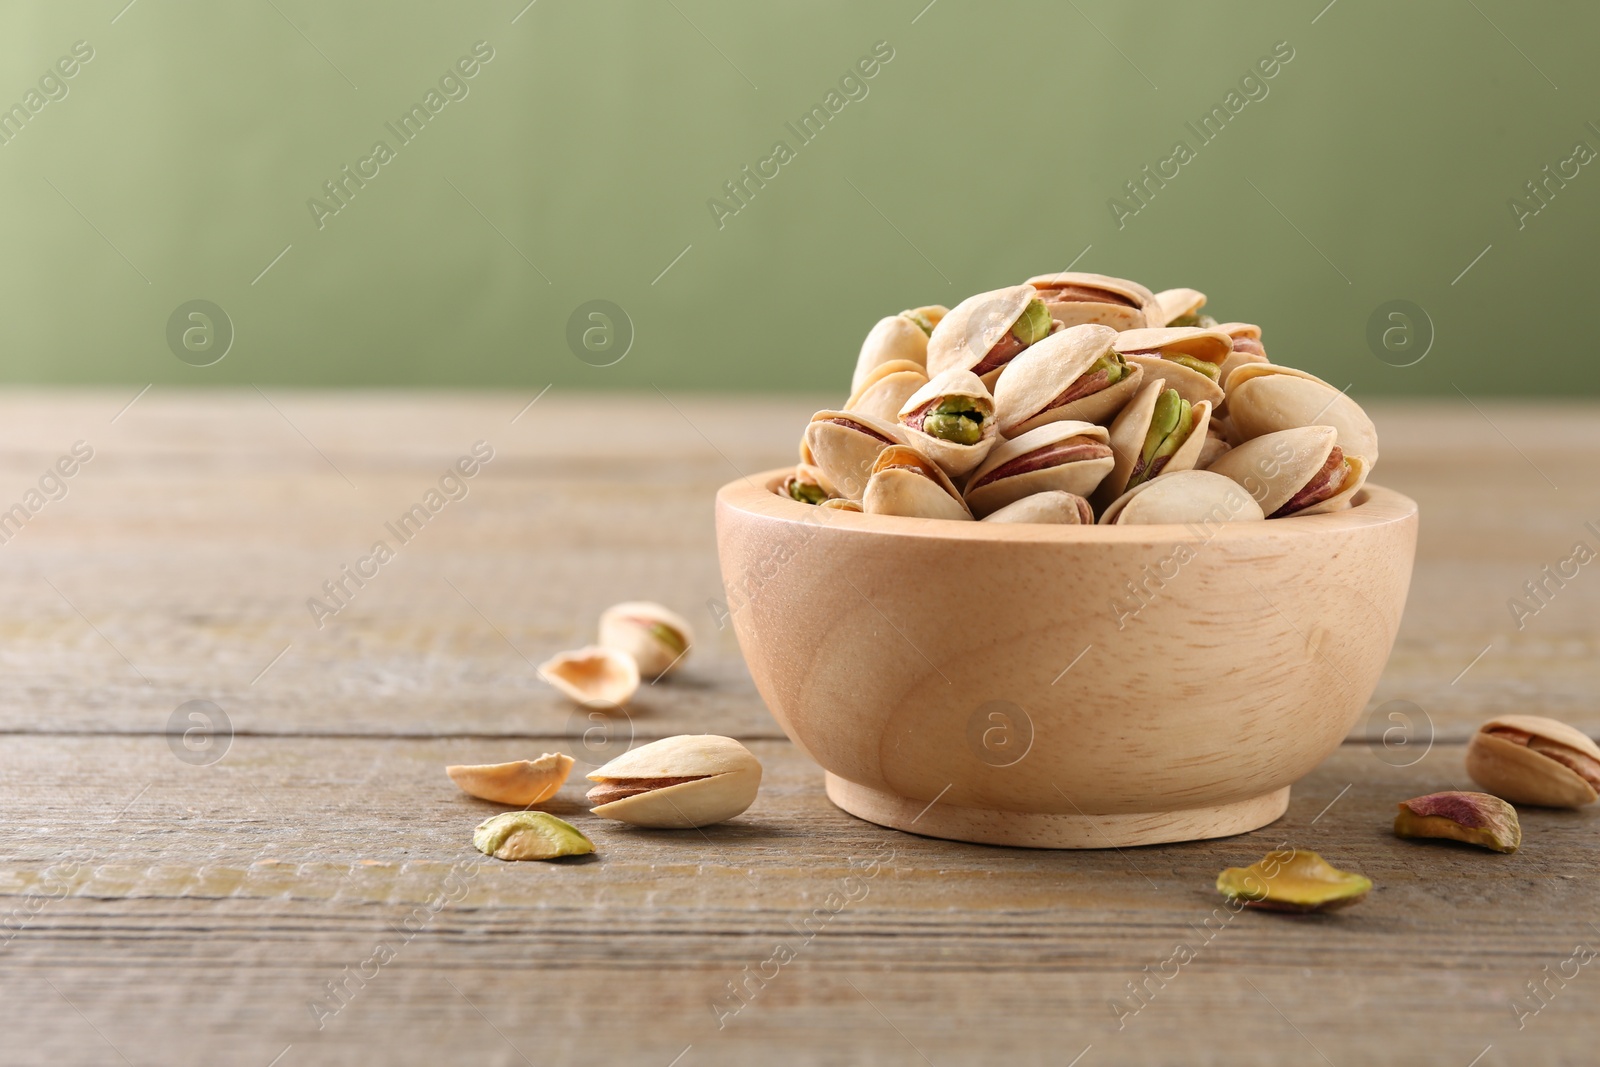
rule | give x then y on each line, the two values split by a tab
1170	424
672	638
1199	366
1033	325
529	835
1194	318
921	320
1114	365
807	493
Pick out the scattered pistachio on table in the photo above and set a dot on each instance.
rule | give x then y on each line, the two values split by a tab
529	835
656	637
522	782
643	638
1529	759
594	676
1474	818
1293	880
677	783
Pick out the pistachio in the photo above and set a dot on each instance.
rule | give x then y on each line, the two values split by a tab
677	783
955	419
595	676
805	492
657	638
926	318
1528	759
1033	325
529	835
1170	424
1476	818
1199	366
1293	880
1200	320
951	420
523	782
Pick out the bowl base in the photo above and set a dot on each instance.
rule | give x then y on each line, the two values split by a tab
988	826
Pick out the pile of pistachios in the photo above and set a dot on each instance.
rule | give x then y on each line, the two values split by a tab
1076	398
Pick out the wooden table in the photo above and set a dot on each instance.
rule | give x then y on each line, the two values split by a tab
312	896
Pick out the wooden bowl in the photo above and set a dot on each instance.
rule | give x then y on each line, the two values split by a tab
1063	686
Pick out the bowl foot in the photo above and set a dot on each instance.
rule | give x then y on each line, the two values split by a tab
988	826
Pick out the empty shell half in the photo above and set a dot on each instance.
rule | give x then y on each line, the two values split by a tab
905	482
1070	456
1075	375
658	638
677	783
521	782
595	676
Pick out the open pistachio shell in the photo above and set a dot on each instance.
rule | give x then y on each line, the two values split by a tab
844	444
522	782
1246	337
1071	376
1529	759
951	420
1293	880
806	485
677	783
1074	297
1070	456
1192	385
1210	346
1278	468
839	503
1130	438
981	334
1235	360
887	387
595	676
1196	498
658	638
896	337
1264	397
1050	507
1180	307
905	482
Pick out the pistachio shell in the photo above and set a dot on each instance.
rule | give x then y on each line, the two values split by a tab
1113	313
1235	360
1264	397
595	676
1474	818
1275	467
1212	450
1190	384
954	458
1197	498
1529	759
1175	303
1211	345
1025	395
844	445
1051	507
1355	478
894	337
1127	435
905	482
529	835
971	329
839	503
678	782
1078	476
887	388
658	638
522	782
806	485
1293	880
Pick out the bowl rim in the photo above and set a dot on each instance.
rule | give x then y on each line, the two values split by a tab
756	495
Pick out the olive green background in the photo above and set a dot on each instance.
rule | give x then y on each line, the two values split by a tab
579	165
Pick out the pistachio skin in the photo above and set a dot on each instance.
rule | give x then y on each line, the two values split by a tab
1472	818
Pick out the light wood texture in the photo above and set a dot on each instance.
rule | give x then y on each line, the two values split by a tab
1063	686
159	913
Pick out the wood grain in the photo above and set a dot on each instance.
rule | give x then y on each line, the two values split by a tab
163	913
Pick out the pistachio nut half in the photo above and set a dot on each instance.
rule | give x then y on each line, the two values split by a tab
1295	472
658	638
806	484
595	676
896	337
887	387
1071	376
1070	456
1529	759
1289	879
1074	297
1264	397
1052	507
985	332
1158	431
1474	818
906	482
521	782
951	420
1194	498
529	835
1181	307
843	445
677	783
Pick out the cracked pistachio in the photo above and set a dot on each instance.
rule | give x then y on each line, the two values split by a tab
522	782
1033	325
1294	880
677	783
657	638
1475	818
529	835
1529	759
